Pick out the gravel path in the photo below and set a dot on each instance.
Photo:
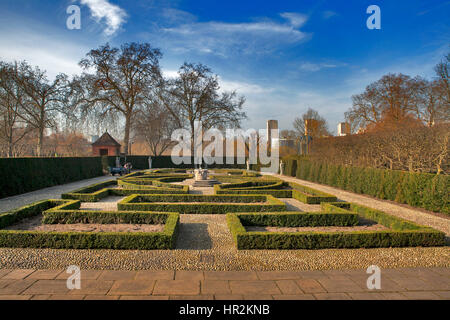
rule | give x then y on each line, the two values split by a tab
417	216
196	190
55	192
295	205
205	243
106	204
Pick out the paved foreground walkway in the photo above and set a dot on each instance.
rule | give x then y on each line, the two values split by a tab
54	192
411	214
411	283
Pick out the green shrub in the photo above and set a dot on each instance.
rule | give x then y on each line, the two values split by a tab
201	204
421	190
310	195
65	211
300	219
276	188
21	175
13	216
98	191
401	233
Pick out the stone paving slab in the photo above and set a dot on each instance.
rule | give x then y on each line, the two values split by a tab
396	284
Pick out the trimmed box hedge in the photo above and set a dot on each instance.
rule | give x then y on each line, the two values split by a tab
204	204
275	188
141	162
401	233
310	195
423	190
98	191
149	180
304	219
66	211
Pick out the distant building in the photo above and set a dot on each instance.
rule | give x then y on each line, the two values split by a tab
106	146
290	143
343	129
311	127
272	125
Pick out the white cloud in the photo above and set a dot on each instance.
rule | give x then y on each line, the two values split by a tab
295	19
171	15
328	14
220	38
313	67
113	15
41	47
242	88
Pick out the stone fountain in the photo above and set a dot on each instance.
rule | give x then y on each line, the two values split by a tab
201	178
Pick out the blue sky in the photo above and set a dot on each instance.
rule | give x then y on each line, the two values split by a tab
284	56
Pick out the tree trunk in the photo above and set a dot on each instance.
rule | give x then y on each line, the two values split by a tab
127	133
10	146
40	141
41	132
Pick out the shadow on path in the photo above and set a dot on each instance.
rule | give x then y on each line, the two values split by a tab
193	236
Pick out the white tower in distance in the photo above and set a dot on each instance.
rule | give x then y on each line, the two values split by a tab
343	129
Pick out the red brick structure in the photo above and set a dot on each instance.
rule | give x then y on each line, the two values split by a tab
106	146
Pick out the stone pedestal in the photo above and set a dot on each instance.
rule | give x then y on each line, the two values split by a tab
201	179
200	174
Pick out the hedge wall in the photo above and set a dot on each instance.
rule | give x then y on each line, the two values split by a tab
98	191
276	188
66	212
141	163
201	204
21	175
400	232
422	190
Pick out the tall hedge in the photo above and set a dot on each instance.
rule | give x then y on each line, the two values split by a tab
141	163
423	190
21	175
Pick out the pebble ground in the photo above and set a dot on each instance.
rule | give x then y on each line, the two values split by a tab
205	243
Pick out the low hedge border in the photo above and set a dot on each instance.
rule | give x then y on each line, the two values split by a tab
310	195
205	204
296	219
237	172
169	171
98	191
151	184
252	185
402	233
146	180
274	193
237	179
274	188
65	211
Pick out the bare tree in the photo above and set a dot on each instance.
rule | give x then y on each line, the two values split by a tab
120	82
432	107
155	126
393	99
195	96
320	130
42	99
366	109
12	128
442	72
288	134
